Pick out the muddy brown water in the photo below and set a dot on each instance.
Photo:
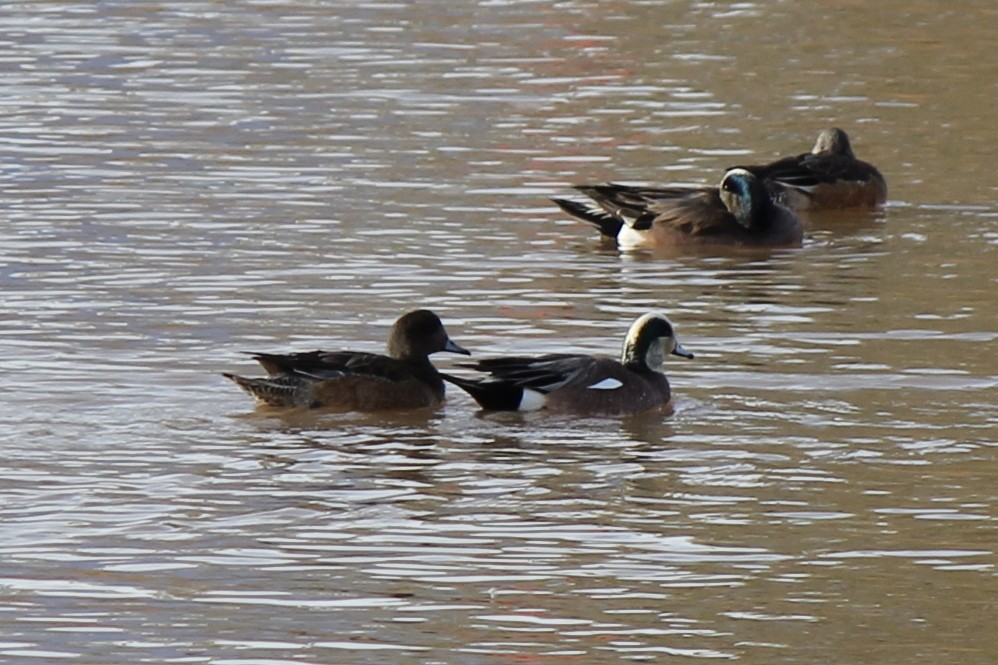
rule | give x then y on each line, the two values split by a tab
184	181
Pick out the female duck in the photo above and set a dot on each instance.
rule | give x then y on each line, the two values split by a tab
359	381
582	384
828	177
737	212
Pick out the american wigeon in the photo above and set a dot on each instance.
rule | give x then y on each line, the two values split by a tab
355	380
830	176
582	384
737	212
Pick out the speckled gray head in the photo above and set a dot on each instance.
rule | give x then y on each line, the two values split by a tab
833	141
650	338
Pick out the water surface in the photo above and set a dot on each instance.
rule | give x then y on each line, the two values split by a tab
185	181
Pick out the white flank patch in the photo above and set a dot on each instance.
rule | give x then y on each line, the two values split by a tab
532	400
606	384
628	237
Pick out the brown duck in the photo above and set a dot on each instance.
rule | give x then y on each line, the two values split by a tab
828	177
355	380
737	212
582	384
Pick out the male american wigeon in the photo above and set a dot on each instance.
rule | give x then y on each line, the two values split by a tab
737	212
828	177
582	384
359	381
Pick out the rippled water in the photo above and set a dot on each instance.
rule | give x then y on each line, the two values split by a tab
184	181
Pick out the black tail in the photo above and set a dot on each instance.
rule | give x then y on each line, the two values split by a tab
607	224
490	395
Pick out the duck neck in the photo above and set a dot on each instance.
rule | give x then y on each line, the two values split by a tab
752	210
749	203
405	353
642	355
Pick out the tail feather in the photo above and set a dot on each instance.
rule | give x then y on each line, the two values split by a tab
491	395
273	391
608	225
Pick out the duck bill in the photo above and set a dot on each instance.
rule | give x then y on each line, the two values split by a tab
456	348
681	352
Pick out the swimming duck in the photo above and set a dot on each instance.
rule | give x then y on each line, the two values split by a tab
737	212
828	177
582	384
356	380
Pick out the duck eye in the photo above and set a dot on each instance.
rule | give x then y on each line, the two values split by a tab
664	329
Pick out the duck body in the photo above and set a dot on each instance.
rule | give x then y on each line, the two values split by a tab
343	380
827	178
561	383
356	380
739	211
582	384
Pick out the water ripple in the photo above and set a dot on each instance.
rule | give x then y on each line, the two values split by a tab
188	181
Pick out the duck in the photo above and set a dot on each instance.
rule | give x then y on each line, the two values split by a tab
403	378
578	384
739	211
827	178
